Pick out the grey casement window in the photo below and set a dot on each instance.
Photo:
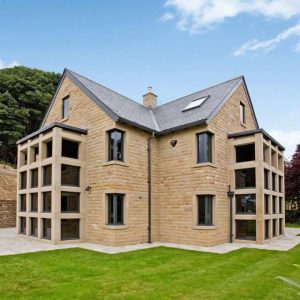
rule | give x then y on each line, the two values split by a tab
22	225
35	153
34	178
115	209
245	204
280	184
69	149
47	202
245	178
204	147
33	227
23	180
47	175
205	210
70	175
70	202
245	153
242	113
23	202
280	226
65	107
280	205
115	145
47	229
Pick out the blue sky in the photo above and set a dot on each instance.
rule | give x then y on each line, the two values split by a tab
177	46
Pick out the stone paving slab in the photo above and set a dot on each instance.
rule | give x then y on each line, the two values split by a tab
11	243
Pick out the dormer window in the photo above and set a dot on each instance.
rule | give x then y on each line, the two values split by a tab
195	103
242	113
66	107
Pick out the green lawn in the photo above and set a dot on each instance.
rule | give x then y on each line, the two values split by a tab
292	225
157	273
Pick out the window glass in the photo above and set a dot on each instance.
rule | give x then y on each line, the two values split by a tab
245	178
266	179
47	229
69	149
34	178
245	204
267	209
69	229
23	202
115	145
205	210
33	226
34	202
274	204
23	180
115	209
22	225
70	202
274	227
273	181
246	229
70	175
245	153
47	175
49	149
66	103
267	229
47	201
242	113
204	147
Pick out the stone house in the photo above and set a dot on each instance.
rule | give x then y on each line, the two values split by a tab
8	194
105	169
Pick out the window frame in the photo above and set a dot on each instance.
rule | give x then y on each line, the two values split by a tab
236	181
108	134
65	99
212	137
244	196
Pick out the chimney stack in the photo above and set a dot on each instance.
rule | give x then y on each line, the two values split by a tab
150	99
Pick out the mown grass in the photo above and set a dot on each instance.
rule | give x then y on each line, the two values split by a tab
292	225
158	273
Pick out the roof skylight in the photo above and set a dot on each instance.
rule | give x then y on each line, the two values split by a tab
195	103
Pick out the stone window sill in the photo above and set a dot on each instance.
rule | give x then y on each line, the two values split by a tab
243	124
207	164
115	227
115	162
203	227
64	120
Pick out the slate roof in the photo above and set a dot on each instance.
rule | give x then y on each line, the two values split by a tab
165	118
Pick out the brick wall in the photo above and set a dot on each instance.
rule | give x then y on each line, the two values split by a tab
8	185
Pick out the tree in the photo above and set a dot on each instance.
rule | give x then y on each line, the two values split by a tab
24	97
292	178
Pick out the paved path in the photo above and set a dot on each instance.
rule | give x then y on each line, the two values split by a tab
11	243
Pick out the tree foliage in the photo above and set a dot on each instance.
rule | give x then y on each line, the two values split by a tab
292	178
24	97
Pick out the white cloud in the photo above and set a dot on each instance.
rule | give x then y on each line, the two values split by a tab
197	15
4	65
268	45
288	139
166	17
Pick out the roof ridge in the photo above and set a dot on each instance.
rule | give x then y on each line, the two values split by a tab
212	86
109	89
